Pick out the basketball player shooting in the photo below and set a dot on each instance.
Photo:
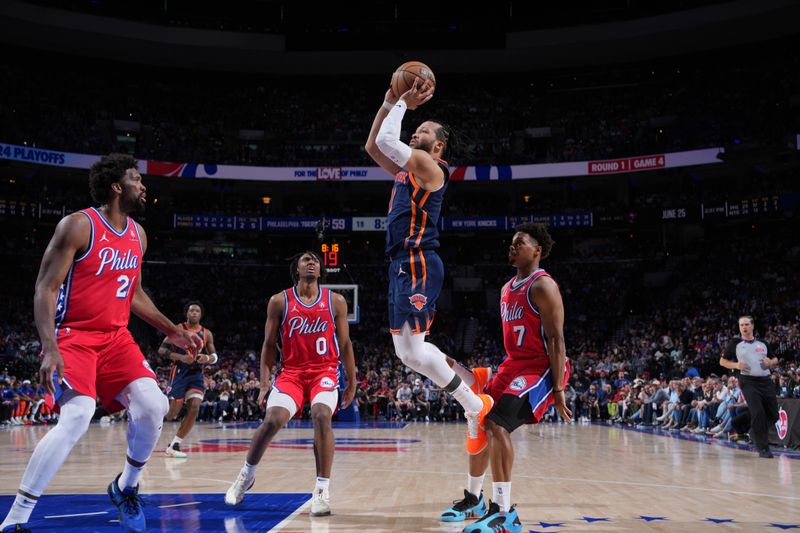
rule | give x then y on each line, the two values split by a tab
416	272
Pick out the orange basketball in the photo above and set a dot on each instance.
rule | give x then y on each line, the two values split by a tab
403	78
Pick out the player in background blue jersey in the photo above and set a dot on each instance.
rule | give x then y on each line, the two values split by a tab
186	381
416	272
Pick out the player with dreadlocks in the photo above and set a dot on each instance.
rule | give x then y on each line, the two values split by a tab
312	323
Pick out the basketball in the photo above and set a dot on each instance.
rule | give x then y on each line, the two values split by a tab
403	78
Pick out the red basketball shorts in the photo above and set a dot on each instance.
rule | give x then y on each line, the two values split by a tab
529	379
101	364
304	385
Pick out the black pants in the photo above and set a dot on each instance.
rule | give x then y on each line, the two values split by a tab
741	422
762	402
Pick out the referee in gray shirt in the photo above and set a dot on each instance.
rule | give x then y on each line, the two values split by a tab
750	357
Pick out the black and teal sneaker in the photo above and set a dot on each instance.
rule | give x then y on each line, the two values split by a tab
469	508
495	521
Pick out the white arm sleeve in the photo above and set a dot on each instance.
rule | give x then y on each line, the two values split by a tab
388	139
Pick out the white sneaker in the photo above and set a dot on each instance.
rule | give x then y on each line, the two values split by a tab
235	493
175	451
320	503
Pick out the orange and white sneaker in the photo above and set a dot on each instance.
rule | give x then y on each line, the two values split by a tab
476	433
482	376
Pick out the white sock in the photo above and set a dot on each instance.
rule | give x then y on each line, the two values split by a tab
475	484
175	440
468	399
248	469
20	511
464	373
501	495
130	476
323	483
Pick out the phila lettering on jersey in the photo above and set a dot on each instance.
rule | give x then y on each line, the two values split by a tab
308	332
97	292
523	333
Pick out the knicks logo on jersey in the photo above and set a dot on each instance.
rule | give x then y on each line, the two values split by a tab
509	314
418	301
303	326
111	258
401	177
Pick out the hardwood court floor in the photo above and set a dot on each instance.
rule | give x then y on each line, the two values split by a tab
399	478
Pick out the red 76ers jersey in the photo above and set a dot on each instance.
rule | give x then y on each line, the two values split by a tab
97	292
308	335
523	334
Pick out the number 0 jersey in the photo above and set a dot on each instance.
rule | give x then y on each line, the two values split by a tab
523	333
97	292
308	335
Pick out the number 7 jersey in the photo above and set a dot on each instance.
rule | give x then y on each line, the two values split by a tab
97	292
523	334
308	335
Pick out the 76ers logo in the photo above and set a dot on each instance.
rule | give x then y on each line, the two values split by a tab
326	383
418	300
782	425
518	383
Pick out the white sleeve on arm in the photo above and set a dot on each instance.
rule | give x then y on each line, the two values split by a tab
388	139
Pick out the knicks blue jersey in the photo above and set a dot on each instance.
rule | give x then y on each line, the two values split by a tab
181	368
413	214
186	380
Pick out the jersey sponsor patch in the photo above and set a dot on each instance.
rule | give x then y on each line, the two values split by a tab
326	382
518	383
418	300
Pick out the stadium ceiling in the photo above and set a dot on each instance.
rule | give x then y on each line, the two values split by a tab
373	37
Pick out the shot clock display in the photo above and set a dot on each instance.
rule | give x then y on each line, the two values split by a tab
331	254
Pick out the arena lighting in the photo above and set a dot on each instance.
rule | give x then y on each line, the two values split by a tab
266	200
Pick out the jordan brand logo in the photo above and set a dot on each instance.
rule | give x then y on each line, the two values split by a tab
104	237
401	271
294	308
